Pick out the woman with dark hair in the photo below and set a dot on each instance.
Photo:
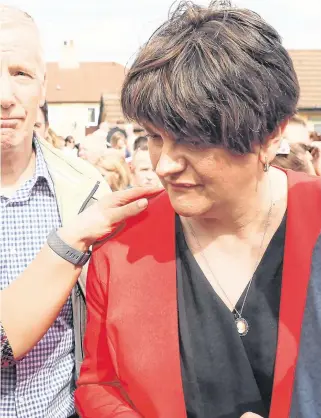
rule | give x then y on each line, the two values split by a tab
196	309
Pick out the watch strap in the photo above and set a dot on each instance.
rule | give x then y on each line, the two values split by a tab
78	258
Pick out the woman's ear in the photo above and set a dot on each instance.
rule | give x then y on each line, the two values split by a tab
272	144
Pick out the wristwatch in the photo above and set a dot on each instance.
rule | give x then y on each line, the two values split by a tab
78	258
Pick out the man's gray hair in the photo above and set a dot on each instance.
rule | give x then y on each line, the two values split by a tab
10	14
7	13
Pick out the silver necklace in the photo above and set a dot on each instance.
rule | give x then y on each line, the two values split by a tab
241	323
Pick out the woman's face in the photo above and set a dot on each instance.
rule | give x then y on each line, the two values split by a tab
202	181
121	144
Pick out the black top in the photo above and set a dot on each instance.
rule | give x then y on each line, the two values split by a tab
225	375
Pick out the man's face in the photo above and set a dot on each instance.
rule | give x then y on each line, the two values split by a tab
143	173
22	85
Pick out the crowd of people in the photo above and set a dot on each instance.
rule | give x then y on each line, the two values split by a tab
119	151
194	295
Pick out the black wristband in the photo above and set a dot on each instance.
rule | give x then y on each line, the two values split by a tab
78	258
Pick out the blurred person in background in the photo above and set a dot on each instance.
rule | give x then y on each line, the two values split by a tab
117	140
102	130
56	140
114	169
315	136
91	148
140	143
126	131
59	142
88	153
42	122
297	131
295	157
70	142
99	137
130	136
52	136
315	151
143	173
69	148
299	157
197	309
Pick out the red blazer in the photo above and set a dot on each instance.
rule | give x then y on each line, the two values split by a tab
132	363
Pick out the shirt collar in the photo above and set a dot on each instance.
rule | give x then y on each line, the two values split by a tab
41	174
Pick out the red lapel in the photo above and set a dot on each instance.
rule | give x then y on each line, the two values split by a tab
302	229
143	313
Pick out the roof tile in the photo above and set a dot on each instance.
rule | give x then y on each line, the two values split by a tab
84	84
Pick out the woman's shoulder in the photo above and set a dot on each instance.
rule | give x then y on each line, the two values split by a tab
297	177
158	213
150	233
304	200
158	218
304	189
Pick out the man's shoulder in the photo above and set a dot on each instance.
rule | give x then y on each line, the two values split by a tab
73	169
66	162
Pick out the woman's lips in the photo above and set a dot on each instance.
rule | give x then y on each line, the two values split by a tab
183	186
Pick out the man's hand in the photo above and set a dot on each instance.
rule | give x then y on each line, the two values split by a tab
251	415
106	217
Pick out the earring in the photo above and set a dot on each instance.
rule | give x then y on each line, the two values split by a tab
266	165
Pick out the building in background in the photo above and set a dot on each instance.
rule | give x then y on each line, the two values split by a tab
75	89
110	108
307	64
74	94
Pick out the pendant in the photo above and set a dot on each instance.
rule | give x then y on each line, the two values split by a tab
242	326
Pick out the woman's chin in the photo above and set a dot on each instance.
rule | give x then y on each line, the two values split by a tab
189	209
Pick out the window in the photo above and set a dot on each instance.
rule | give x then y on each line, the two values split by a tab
317	128
91	116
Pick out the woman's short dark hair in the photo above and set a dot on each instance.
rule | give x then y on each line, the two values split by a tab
216	74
